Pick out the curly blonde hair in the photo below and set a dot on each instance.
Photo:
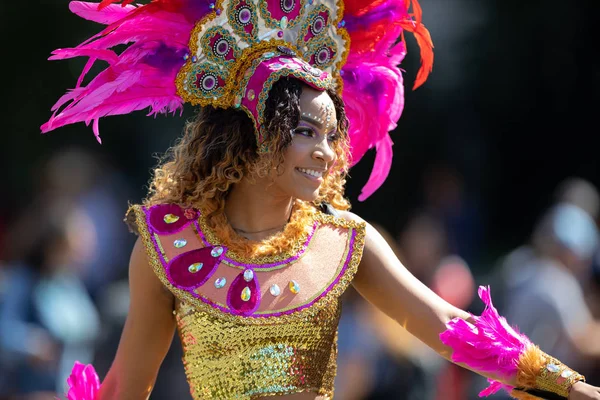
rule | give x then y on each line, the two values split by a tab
218	149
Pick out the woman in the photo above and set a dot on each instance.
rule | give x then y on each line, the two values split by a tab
246	242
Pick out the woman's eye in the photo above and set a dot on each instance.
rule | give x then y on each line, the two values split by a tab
304	131
333	137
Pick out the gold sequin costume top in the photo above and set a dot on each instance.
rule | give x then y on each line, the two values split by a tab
253	328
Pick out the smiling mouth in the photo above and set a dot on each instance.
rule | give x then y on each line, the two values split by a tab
311	174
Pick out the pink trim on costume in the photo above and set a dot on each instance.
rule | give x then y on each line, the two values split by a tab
268	71
261	266
179	274
157	213
234	295
247	310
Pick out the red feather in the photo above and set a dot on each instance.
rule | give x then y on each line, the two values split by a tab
423	40
106	3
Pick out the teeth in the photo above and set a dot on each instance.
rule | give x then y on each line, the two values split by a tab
311	172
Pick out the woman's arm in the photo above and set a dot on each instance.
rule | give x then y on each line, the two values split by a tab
146	337
384	282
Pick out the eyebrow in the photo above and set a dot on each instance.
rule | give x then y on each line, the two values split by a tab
312	121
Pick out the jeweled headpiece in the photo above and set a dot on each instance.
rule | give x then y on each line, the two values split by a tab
229	53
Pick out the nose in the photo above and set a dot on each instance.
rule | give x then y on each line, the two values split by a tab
324	152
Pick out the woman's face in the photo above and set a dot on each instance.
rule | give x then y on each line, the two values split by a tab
310	155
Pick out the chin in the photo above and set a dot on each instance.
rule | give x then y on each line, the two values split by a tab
306	195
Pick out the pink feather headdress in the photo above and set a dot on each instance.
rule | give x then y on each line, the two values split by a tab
200	51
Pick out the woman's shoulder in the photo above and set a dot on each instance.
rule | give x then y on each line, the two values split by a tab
131	218
341	218
349	216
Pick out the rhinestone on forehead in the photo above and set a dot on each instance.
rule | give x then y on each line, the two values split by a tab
326	109
330	111
314	117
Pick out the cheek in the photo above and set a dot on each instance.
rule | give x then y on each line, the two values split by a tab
333	148
282	174
296	155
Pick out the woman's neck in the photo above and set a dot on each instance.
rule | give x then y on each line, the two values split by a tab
250	209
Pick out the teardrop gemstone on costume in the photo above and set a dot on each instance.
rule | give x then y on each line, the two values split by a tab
195	267
192	269
275	290
220	282
243	297
566	373
179	243
553	368
170	218
246	293
248	275
166	219
217	251
294	287
283	23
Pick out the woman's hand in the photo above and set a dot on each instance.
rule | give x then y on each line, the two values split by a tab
583	391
